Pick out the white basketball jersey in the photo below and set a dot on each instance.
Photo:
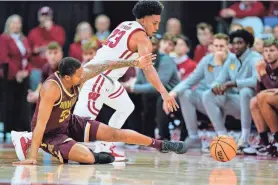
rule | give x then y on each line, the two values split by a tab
116	47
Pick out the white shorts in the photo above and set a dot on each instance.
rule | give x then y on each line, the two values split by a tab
97	91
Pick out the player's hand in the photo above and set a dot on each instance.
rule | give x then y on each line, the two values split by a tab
146	61
169	104
26	162
261	67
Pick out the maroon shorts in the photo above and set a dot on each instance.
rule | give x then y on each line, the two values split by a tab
59	144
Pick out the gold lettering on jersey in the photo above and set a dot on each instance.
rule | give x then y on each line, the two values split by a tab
65	114
68	104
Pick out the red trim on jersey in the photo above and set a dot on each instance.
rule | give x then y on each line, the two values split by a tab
137	29
129	55
101	84
123	54
118	94
94	107
115	92
96	82
91	111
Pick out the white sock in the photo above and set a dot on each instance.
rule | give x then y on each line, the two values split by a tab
245	134
222	133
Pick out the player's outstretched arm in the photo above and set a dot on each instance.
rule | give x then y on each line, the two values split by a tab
93	70
144	47
49	94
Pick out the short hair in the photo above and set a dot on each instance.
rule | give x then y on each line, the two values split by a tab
271	42
185	39
170	37
53	45
203	26
68	66
92	44
147	8
222	36
245	35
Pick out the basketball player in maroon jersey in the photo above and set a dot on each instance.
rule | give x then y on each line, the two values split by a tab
57	131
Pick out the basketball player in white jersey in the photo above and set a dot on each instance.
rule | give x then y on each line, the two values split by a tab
129	40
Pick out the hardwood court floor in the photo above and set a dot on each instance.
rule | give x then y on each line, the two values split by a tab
143	167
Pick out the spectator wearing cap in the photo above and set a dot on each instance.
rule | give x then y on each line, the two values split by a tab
234	87
185	64
15	52
40	36
84	33
205	37
102	24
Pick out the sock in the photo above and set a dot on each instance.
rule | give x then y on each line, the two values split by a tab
222	133
264	138
245	134
276	136
156	144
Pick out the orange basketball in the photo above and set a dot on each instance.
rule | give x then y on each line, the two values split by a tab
223	148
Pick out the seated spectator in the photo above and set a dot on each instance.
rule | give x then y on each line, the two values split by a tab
42	35
173	26
267	70
89	50
15	51
235	27
53	55
203	76
152	102
102	24
258	45
84	33
246	13
185	64
205	35
234	87
275	32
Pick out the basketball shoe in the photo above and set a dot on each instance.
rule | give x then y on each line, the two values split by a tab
21	142
178	147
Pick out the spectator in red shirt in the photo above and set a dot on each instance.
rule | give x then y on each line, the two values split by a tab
53	55
43	34
185	64
205	35
84	33
15	51
275	32
243	9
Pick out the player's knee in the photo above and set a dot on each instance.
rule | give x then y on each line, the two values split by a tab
253	103
261	97
87	158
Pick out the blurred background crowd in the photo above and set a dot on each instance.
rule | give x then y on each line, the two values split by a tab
36	35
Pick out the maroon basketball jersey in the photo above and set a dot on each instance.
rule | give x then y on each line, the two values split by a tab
62	109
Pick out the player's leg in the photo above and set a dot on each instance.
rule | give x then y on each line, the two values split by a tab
120	101
259	120
261	128
82	129
213	105
190	101
268	104
107	133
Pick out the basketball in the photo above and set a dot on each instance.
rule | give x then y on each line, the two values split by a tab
223	148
